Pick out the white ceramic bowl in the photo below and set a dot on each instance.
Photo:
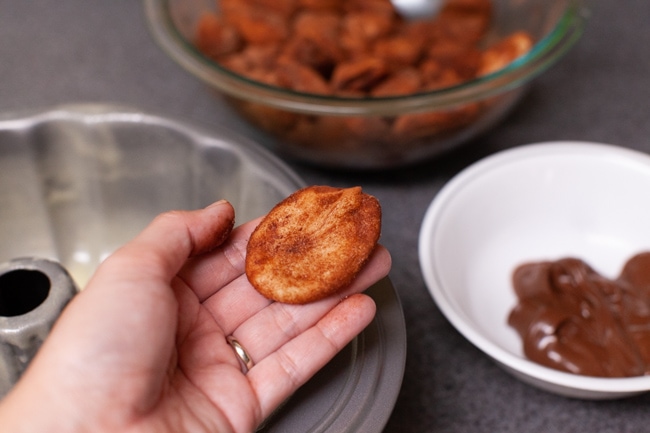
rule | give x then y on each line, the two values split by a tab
537	202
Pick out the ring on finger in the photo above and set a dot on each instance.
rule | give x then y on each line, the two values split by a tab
244	358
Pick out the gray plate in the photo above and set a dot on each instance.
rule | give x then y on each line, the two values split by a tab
78	181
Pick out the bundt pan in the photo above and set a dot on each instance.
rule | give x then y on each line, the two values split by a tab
76	182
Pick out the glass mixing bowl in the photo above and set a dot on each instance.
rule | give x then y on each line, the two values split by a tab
374	132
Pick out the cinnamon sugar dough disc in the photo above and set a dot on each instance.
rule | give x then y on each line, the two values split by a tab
313	243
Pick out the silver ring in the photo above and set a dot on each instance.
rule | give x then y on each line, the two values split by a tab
243	356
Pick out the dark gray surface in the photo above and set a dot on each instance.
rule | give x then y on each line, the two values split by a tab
54	52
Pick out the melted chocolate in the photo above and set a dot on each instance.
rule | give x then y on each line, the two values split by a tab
572	319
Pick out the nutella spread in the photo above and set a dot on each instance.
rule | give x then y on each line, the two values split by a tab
572	319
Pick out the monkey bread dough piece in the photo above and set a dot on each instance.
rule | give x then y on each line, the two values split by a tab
313	243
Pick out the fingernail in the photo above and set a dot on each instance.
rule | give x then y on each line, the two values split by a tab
217	203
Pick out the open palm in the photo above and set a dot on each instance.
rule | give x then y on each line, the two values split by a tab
143	347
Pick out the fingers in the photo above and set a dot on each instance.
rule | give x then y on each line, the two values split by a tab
240	305
172	237
209	272
278	375
275	325
219	281
235	303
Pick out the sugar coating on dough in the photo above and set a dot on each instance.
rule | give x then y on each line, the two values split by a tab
313	243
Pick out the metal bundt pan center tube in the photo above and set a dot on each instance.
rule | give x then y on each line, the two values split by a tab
33	292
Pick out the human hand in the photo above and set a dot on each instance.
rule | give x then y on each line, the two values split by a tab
143	347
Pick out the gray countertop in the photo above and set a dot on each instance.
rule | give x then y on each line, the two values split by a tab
68	51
